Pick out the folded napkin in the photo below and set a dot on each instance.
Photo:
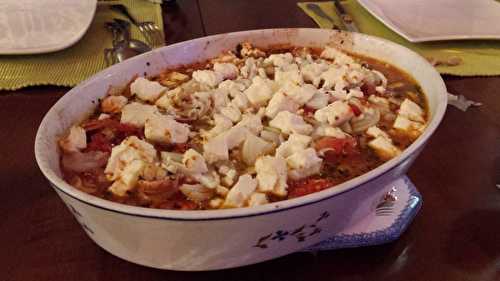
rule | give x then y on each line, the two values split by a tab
70	66
478	57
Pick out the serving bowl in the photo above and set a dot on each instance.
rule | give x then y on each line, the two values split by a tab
217	239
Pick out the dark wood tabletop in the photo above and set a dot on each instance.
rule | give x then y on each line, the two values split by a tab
455	236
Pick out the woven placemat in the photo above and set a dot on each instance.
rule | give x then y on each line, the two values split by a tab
70	66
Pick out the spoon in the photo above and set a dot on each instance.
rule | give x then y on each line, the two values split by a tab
133	43
123	46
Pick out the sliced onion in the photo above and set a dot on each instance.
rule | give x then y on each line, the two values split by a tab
82	162
197	192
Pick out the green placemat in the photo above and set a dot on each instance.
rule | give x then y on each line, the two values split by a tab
76	63
479	57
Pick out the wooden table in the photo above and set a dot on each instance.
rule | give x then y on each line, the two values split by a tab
454	237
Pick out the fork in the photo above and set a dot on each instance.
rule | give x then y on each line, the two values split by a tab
151	32
386	206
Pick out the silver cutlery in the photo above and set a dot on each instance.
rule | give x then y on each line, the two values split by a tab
124	46
149	30
345	17
386	205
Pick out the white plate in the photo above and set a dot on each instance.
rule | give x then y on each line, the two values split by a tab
34	26
434	20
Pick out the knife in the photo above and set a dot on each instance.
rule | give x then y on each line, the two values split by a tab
345	17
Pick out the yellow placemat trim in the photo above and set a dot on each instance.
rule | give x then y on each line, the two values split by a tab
479	57
70	66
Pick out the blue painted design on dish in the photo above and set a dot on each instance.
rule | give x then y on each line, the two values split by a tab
378	237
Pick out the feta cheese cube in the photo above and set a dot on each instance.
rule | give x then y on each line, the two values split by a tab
254	147
312	72
226	70
164	129
239	194
404	124
165	101
335	113
375	132
216	149
300	94
294	144
252	122
216	203
75	141
128	178
337	56
137	113
303	163
290	76
280	102
196	192
279	60
259	92
222	124
290	123
257	199
194	162
384	148
207	77
232	113
318	100
113	104
146	90
328	131
219	98
272	175
130	149
412	111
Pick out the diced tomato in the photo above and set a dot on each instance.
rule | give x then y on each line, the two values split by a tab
355	109
181	147
307	186
368	89
99	142
346	145
309	110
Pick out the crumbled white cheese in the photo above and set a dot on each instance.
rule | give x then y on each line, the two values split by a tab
128	178
279	60
300	94
216	203
222	124
290	123
113	104
280	102
303	163
384	148
272	175
312	72
252	122
335	113
354	93
196	192
194	162
146	90
328	131
239	194
294	144
337	56
219	98
226	70
404	124
76	140
257	199
164	129
137	113
207	77
291	76
412	111
259	92
232	113
375	132
253	147
165	101
318	100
